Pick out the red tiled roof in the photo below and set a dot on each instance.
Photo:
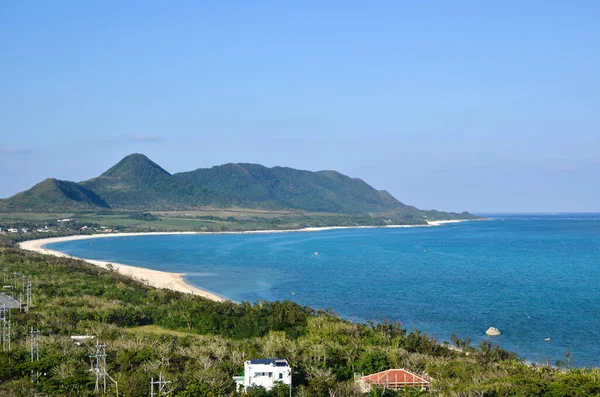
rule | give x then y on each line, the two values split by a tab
396	378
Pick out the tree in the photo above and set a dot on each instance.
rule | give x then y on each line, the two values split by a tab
372	362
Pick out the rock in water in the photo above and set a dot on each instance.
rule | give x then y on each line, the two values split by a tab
492	331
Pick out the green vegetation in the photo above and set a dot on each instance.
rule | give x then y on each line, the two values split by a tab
52	195
199	345
209	220
138	184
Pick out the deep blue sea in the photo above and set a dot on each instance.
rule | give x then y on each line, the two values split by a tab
531	276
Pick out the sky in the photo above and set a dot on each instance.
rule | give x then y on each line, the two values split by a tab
462	105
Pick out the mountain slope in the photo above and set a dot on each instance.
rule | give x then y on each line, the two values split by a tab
253	185
52	195
137	183
136	167
134	182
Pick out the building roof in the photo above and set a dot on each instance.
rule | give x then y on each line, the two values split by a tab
396	378
9	302
273	361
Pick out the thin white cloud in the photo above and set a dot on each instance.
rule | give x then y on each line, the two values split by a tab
15	151
141	138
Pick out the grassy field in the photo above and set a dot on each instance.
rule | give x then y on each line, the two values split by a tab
210	219
123	220
239	213
8	217
157	330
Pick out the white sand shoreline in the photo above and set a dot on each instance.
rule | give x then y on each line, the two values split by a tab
155	278
175	281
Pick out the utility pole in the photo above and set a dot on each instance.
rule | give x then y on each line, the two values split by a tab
6	331
160	383
14	280
29	296
35	344
35	352
99	365
4	318
99	368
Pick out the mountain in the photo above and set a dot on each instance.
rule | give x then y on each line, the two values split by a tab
137	183
53	195
134	182
253	185
136	167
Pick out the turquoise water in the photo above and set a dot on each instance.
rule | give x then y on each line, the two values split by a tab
533	277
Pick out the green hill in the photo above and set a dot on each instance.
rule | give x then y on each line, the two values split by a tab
137	183
253	185
53	195
136	167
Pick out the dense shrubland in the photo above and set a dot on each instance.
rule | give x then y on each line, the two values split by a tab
199	345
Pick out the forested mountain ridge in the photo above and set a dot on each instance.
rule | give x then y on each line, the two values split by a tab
54	196
137	183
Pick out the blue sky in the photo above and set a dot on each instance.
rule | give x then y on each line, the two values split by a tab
465	105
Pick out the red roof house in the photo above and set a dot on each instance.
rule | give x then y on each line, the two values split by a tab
394	379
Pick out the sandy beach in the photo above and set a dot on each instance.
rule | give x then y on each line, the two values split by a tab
155	278
439	223
173	281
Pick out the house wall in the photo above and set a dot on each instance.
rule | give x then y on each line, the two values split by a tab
258	375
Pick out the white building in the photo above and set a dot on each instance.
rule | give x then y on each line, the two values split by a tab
264	372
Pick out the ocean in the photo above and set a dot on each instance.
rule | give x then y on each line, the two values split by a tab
531	276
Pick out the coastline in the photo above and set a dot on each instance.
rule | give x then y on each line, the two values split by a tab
154	278
175	281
